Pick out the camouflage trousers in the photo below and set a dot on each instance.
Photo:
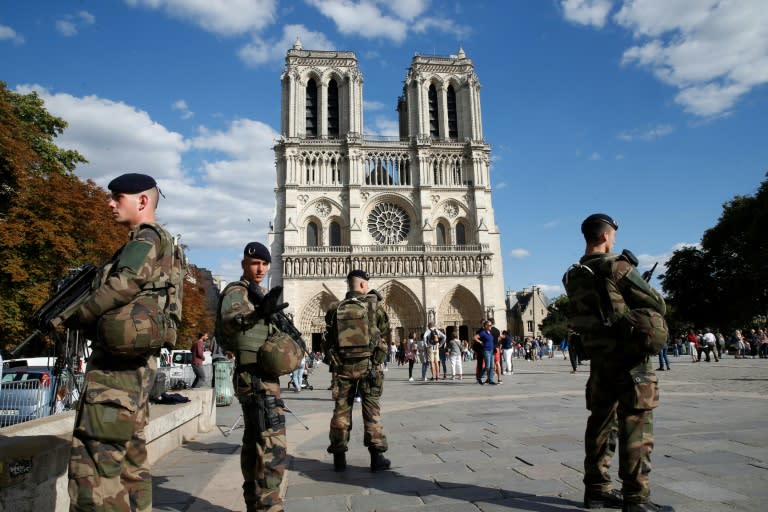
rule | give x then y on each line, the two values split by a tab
108	468
621	402
369	386
263	456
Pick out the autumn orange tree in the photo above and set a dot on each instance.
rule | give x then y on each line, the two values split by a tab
198	312
50	220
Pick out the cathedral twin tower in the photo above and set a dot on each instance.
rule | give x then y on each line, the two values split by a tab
414	211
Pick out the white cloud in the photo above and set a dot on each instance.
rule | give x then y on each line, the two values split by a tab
551	224
519	253
653	133
595	156
550	290
713	51
225	17
406	9
260	51
183	108
86	17
363	18
373	105
384	126
8	34
390	19
71	24
501	186
619	157
646	261
113	136
446	25
66	28
586	12
209	204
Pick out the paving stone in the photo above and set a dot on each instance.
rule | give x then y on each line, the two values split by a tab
460	447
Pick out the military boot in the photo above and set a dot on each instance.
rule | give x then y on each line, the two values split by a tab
339	461
603	499
378	461
646	506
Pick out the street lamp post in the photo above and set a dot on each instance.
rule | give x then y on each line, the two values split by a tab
533	309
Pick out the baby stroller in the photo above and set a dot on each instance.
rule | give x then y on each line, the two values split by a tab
308	367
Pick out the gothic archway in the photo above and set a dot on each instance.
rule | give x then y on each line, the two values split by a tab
311	319
405	312
460	308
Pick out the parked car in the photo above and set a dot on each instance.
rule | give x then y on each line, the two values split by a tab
181	372
27	393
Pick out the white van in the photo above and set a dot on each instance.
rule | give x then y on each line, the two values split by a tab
181	372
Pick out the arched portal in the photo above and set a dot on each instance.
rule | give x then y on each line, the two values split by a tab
311	320
460	311
406	313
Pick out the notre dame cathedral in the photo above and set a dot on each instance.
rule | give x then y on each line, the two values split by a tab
414	211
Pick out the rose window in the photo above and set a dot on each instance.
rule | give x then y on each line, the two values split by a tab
388	224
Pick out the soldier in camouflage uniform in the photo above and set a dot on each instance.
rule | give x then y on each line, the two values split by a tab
243	327
108	469
622	389
358	376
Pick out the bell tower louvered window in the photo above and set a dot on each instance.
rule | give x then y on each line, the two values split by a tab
311	111
453	124
333	109
434	123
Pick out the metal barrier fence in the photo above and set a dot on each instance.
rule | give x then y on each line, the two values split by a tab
27	400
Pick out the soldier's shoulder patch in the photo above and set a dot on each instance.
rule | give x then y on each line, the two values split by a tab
148	232
134	254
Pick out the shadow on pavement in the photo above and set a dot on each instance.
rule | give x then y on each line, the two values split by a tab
393	482
173	500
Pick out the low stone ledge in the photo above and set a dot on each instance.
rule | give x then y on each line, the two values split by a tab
34	456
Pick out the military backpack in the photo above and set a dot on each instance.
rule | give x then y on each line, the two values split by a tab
151	320
357	336
599	321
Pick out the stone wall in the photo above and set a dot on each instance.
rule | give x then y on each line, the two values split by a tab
34	455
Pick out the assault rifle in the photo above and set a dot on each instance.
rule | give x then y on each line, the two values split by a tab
267	305
67	295
635	262
649	273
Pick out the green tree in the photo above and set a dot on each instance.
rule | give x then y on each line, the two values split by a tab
725	283
554	325
689	285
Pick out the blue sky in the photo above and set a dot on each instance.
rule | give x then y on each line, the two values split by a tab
650	110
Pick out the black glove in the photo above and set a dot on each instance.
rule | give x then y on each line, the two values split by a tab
270	303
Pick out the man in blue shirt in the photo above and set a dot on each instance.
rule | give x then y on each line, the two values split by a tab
485	336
